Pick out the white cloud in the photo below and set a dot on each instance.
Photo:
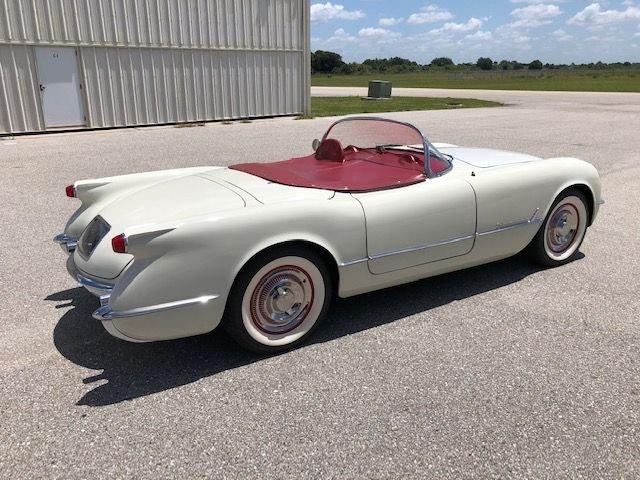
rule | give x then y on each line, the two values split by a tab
479	36
562	36
535	15
390	22
323	12
472	24
377	33
341	36
593	15
430	14
536	2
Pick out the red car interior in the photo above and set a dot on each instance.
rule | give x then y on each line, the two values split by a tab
347	170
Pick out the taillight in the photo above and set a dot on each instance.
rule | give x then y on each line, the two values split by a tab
119	243
70	191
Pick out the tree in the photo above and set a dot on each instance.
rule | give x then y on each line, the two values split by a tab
484	63
442	62
325	62
535	65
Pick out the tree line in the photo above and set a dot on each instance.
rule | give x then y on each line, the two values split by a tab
332	63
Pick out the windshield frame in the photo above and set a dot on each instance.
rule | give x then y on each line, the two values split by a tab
428	147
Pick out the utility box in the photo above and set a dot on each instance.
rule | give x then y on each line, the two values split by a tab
379	89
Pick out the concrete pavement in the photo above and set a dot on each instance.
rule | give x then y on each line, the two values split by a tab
501	371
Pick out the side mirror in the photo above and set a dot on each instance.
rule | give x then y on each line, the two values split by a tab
315	145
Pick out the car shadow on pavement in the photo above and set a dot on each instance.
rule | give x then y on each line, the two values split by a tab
135	370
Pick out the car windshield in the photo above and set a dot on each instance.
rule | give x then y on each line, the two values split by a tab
382	135
365	133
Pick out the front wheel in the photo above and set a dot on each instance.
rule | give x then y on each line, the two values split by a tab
278	299
561	235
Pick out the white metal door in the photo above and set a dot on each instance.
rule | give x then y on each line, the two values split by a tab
59	86
419	224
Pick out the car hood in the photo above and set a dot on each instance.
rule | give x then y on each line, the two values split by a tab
159	203
485	158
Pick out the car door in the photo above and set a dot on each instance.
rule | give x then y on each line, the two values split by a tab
419	224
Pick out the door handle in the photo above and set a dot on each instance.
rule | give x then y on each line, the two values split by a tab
42	87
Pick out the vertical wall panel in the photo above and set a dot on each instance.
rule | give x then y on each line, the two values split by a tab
19	95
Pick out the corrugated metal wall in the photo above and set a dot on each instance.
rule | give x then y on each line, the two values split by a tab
19	96
159	61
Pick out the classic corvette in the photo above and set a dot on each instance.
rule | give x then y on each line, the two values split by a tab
261	248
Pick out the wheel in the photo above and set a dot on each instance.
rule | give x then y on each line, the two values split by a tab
559	239
278	300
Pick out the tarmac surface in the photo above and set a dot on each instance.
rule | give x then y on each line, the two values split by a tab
500	371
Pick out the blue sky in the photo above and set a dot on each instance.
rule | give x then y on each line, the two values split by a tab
557	31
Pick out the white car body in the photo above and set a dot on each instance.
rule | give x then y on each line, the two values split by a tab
190	231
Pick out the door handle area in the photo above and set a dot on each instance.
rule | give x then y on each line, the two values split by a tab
42	87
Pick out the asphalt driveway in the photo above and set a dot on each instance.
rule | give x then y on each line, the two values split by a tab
504	370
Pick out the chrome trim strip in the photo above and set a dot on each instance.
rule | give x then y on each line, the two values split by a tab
105	312
524	223
420	247
67	242
90	283
354	262
601	202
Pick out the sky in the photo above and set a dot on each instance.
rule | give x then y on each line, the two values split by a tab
554	31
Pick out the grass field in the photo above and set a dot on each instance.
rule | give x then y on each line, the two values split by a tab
334	106
560	80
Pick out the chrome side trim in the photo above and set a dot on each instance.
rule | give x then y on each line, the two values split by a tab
524	223
105	312
533	220
354	262
601	202
67	242
90	283
419	247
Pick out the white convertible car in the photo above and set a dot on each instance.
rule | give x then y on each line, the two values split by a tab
262	248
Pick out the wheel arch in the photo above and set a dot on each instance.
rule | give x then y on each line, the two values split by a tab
583	188
322	250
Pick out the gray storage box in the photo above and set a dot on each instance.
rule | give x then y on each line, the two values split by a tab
379	89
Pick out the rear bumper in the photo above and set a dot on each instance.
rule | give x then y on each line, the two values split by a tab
106	313
66	242
95	286
165	321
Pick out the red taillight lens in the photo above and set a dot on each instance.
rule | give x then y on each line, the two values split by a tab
70	191
119	243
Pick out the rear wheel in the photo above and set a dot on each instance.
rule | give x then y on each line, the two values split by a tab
563	230
278	300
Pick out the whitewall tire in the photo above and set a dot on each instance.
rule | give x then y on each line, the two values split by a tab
278	299
562	233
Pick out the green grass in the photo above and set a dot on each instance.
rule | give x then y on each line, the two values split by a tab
611	80
335	106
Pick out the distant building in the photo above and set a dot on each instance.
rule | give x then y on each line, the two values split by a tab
111	63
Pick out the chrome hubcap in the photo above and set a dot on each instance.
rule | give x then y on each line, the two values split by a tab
281	300
563	228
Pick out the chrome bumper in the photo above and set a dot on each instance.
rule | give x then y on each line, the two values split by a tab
106	312
99	289
66	242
